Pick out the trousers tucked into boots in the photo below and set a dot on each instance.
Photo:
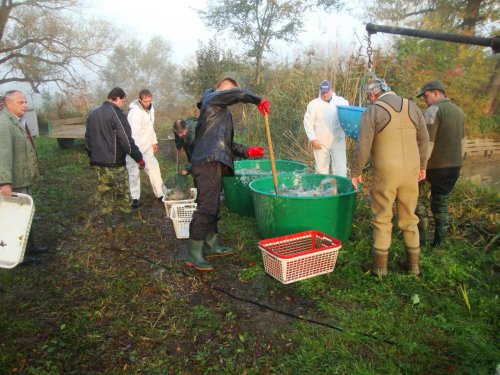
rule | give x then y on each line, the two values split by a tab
423	220
379	265
411	263
195	258
439	208
212	247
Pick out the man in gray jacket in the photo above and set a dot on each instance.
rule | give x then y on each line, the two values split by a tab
393	133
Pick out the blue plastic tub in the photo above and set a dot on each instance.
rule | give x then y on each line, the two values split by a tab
349	117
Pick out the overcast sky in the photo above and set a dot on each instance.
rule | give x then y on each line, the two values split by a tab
179	24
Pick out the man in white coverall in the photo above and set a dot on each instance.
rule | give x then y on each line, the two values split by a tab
141	118
322	126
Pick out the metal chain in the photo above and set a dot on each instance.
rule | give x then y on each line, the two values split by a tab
369	51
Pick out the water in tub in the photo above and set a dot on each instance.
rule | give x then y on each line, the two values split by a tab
326	187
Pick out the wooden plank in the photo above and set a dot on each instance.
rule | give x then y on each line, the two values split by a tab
73	127
69	133
70	121
480	147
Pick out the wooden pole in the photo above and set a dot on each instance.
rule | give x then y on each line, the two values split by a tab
271	154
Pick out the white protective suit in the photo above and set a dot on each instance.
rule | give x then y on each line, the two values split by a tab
141	122
321	122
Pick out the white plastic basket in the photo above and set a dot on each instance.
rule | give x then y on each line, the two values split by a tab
16	215
168	204
181	215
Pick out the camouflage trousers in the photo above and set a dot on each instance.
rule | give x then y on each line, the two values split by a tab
113	190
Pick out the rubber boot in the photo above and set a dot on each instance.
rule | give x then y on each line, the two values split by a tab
411	262
108	223
423	230
379	264
32	249
439	208
212	248
195	258
130	220
423	221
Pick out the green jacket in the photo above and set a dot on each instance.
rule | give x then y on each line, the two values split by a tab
18	160
445	122
188	142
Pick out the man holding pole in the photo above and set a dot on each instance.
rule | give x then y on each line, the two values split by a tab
212	158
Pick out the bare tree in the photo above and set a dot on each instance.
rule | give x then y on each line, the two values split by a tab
136	65
45	41
256	23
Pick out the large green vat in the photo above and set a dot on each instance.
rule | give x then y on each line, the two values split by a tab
237	194
278	215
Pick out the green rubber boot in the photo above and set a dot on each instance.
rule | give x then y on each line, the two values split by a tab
195	258
212	248
411	262
439	208
379	264
423	223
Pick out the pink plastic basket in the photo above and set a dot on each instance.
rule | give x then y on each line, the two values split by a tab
299	256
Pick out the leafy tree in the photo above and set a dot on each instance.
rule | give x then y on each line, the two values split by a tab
256	23
212	63
450	62
136	65
45	41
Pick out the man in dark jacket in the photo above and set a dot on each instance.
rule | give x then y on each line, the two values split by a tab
445	123
185	132
212	158
108	141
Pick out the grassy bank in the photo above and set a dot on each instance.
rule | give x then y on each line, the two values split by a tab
124	303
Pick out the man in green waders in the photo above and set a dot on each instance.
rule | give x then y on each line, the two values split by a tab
392	131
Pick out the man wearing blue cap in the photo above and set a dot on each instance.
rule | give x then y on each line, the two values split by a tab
322	126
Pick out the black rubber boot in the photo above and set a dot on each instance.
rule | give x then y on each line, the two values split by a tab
32	249
439	208
130	220
212	248
412	261
195	258
107	220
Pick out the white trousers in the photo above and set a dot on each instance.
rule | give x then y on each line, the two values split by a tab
152	169
336	156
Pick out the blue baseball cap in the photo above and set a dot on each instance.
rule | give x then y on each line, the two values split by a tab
325	86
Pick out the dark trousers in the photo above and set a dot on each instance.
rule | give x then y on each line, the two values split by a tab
31	240
442	180
208	178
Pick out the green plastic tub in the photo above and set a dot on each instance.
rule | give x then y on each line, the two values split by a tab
237	194
279	215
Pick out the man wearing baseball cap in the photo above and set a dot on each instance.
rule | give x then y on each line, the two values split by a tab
445	123
392	133
322	126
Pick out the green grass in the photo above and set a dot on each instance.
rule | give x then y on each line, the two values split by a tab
124	303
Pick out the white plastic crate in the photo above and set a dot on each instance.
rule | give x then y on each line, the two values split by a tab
16	215
168	204
181	215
